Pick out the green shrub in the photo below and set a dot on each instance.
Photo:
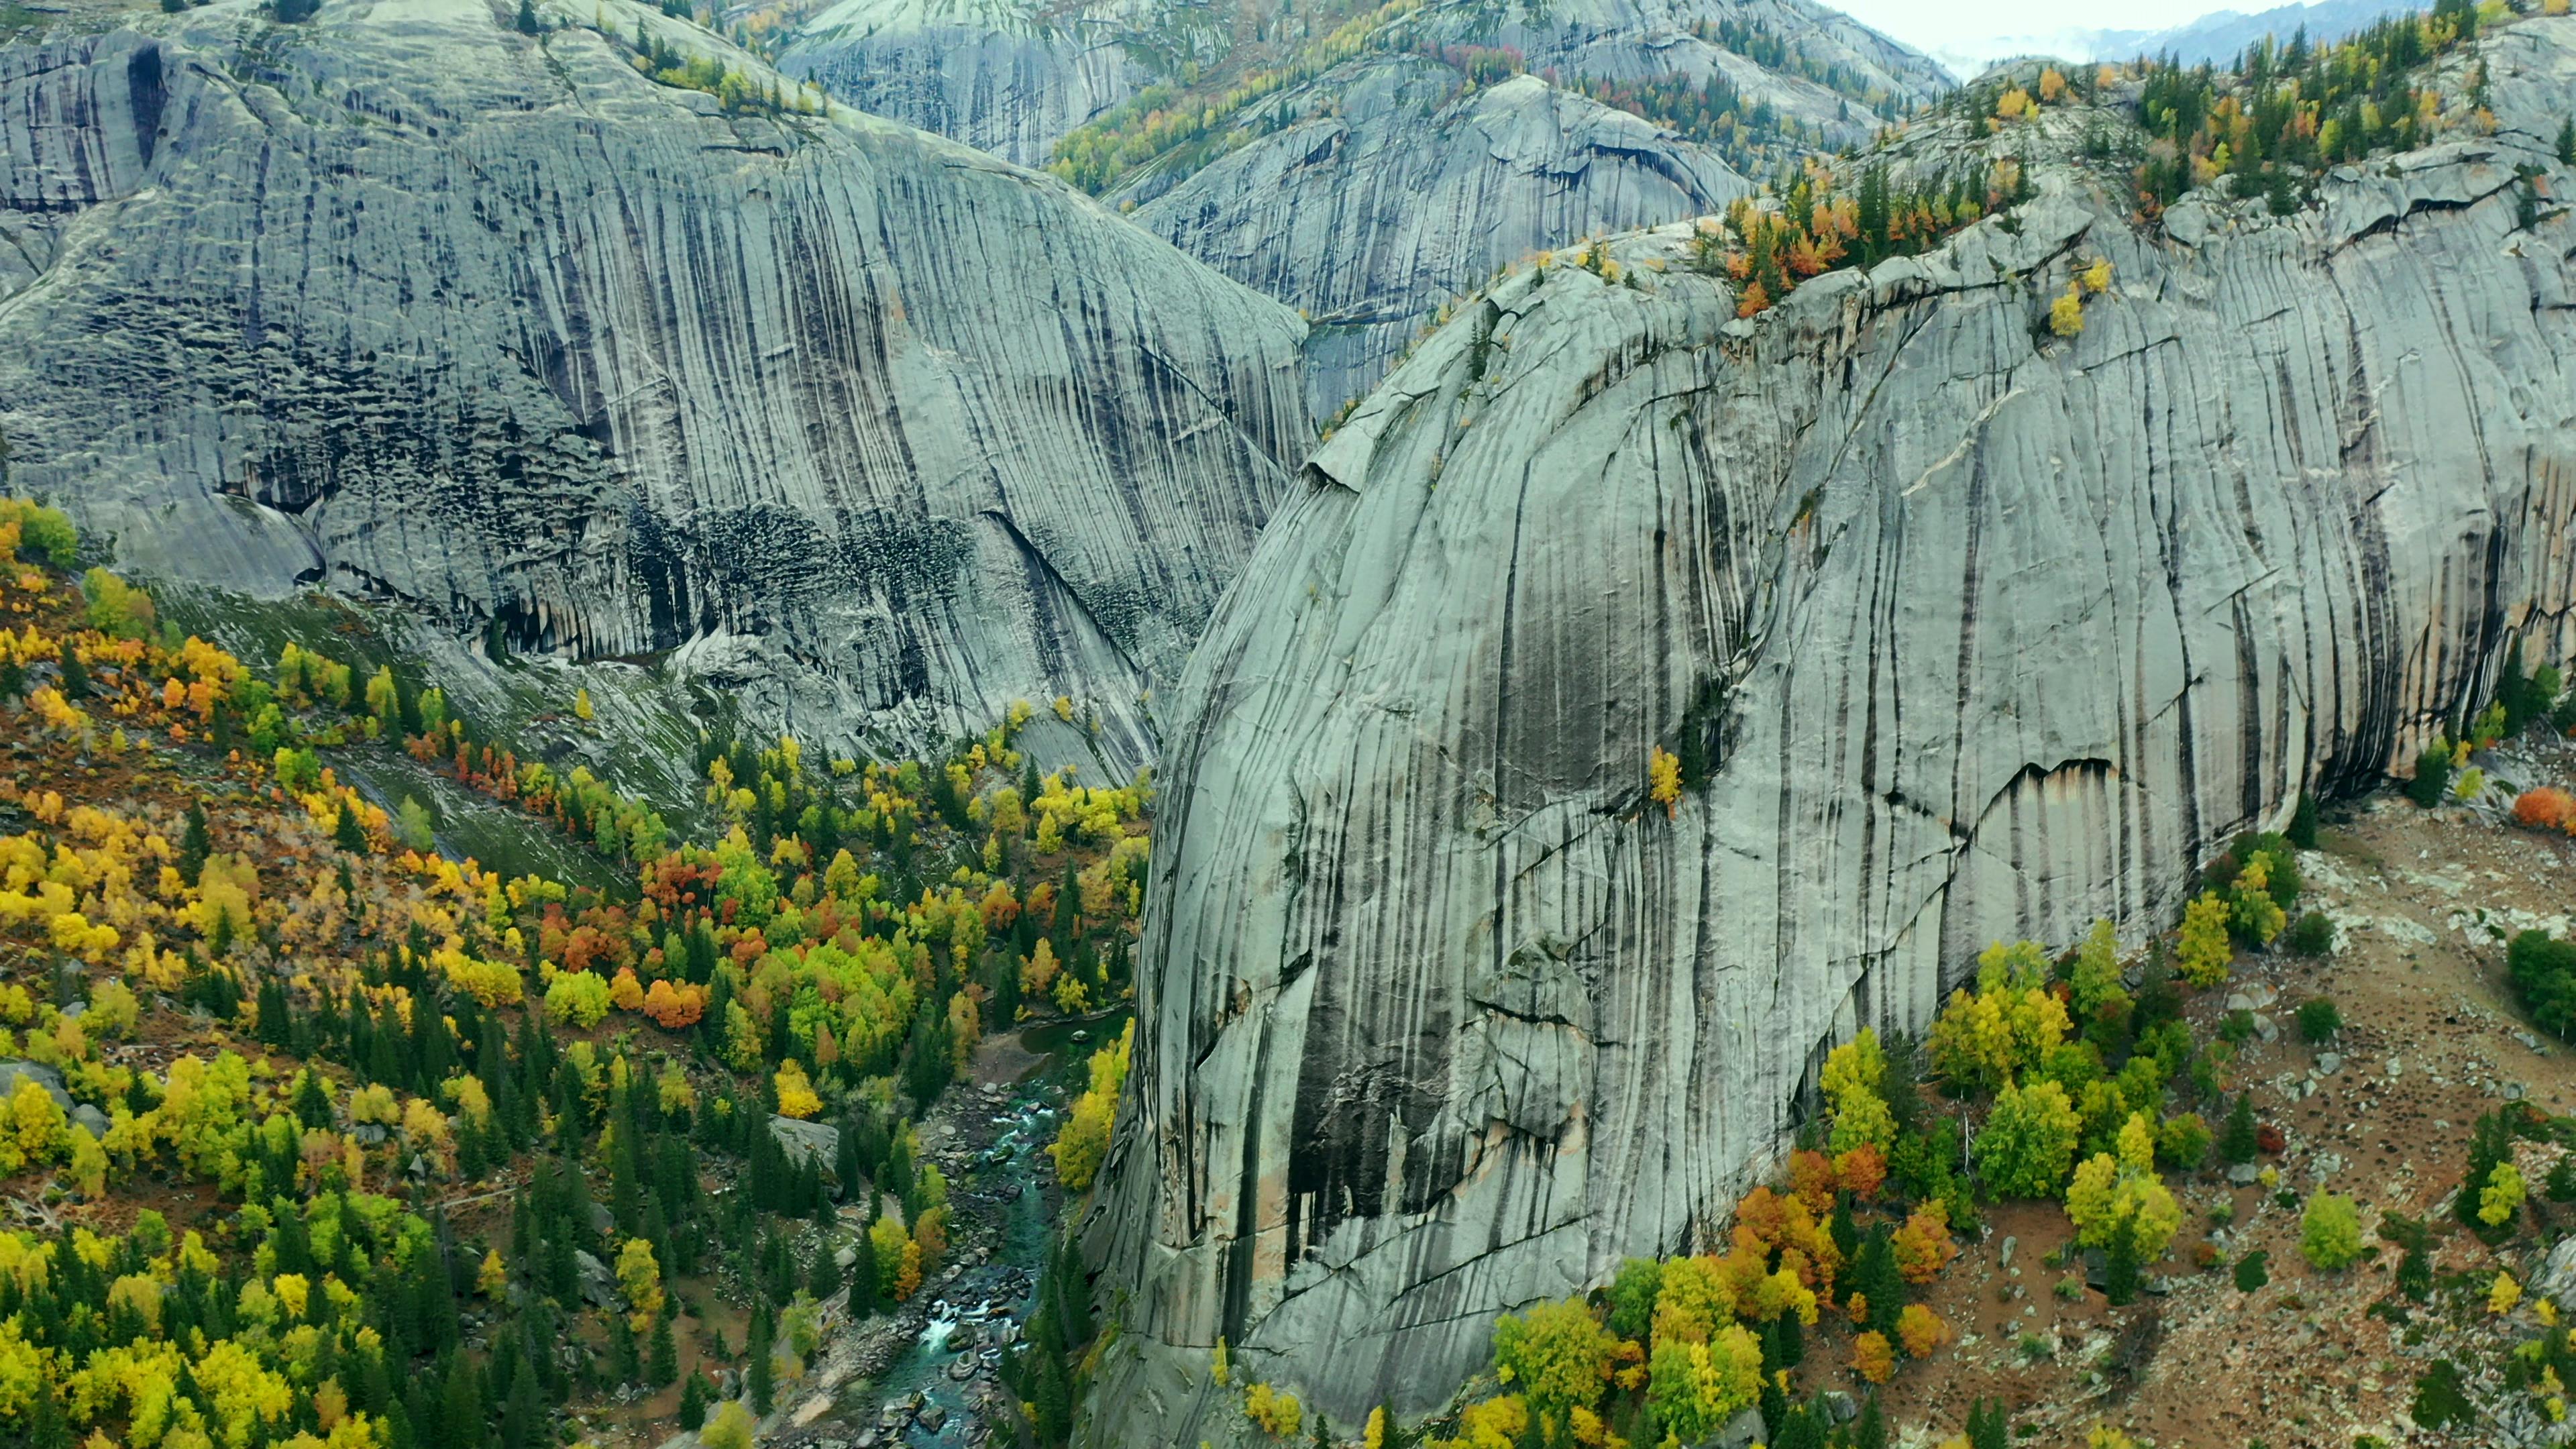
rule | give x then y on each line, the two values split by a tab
2318	1019
2029	1140
2330	1232
2560	1184
2432	780
2440	1399
2303	823
2251	1272
413	825
2183	1142
2524	698
2312	935
45	532
2543	971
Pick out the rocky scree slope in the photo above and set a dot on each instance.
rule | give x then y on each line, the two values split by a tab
1968	631
876	432
1369	169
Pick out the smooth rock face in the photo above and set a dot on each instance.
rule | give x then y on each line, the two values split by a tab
1371	216
1372	193
873	432
1397	188
1001	77
1983	633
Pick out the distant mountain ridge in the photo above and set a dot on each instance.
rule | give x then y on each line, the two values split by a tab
2217	37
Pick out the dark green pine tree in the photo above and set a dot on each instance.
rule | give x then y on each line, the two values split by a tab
1792	1343
523	1422
47	1428
2490	1142
276	1024
693	1403
463	1412
863	1278
2120	1269
1987	1427
528	22
625	1185
1881	1280
621	1350
2236	1141
664	1367
347	834
763	1372
422	1408
1804	1427
825	1280
312	1101
196	843
75	681
1869	1431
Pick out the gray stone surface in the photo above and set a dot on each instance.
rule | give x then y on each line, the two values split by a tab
15	1069
1983	633
2556	1279
1002	77
815	1142
867	430
597	1283
1372	214
1371	193
1743	1431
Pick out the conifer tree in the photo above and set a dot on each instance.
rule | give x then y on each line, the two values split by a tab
2236	1142
346	834
2120	1270
693	1403
621	1349
1987	1426
664	1367
195	844
863	1274
763	1369
826	1278
1870	1430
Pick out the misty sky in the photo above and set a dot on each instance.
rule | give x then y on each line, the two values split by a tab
1934	25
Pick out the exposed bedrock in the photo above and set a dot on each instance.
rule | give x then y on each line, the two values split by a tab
999	76
874	432
1981	632
1378	188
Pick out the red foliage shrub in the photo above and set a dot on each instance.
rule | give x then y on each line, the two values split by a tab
2545	808
2268	1138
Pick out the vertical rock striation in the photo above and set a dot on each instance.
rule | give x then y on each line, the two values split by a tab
1978	632
1370	182
1372	215
872	430
1001	77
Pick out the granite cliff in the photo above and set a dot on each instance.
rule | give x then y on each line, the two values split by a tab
869	430
1966	628
1368	169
